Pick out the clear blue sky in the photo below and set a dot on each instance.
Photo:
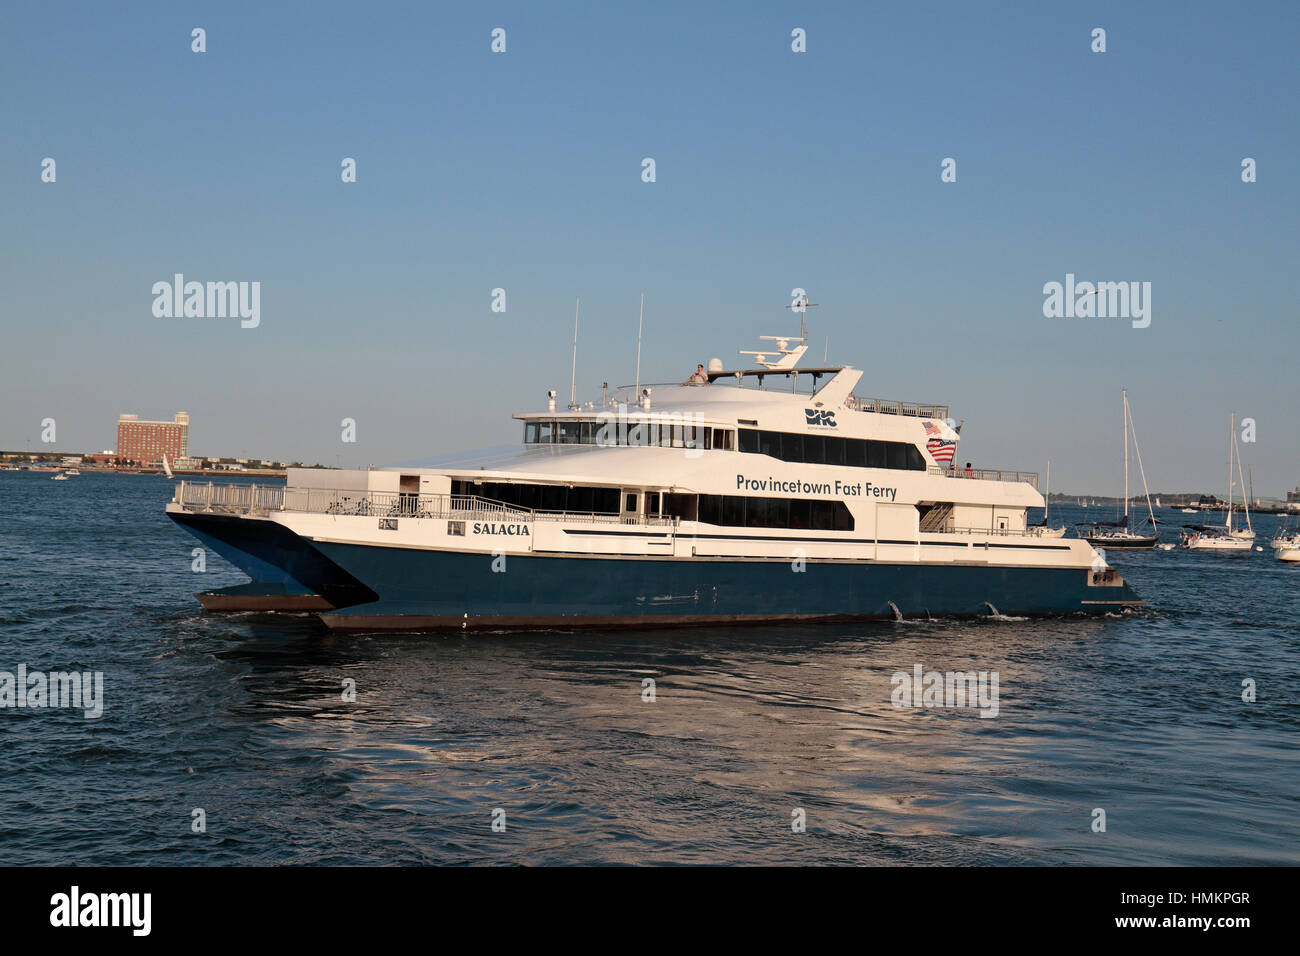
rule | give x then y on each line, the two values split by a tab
774	170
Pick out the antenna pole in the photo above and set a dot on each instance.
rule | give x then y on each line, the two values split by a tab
573	379
639	322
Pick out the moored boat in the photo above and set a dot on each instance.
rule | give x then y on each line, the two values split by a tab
1227	537
1118	534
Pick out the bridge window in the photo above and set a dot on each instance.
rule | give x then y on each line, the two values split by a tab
832	450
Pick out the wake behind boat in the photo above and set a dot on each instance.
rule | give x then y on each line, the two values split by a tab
769	493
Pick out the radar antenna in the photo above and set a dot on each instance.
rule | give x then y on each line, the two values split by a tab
788	357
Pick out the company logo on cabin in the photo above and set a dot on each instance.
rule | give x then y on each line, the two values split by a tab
819	417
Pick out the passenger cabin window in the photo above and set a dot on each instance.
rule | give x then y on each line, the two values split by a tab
743	511
578	499
832	450
680	506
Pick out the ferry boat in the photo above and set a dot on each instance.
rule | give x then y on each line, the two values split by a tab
757	494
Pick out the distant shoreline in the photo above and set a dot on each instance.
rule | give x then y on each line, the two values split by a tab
176	472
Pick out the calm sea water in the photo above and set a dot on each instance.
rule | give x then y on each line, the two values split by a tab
242	716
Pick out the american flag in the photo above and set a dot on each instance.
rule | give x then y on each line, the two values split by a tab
931	428
941	450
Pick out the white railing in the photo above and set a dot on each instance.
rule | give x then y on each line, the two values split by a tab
229	498
882	406
985	474
1030	532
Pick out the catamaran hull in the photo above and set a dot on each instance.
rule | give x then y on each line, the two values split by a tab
289	575
434	590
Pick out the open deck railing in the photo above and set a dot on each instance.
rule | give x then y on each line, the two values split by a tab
229	498
1033	531
224	498
985	474
886	407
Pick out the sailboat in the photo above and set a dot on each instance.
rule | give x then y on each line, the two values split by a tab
166	467
1158	504
1226	538
1041	529
1117	534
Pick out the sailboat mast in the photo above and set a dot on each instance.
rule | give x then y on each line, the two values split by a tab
1047	499
1232	429
1146	489
1245	502
1251	470
1125	393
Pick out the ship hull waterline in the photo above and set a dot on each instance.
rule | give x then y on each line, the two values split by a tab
446	590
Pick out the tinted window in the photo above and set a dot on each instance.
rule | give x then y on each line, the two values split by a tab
834	450
740	511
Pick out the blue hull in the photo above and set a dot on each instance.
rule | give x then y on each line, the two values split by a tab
288	573
421	590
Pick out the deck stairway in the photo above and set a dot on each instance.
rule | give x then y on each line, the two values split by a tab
936	519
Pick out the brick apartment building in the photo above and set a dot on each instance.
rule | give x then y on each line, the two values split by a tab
145	443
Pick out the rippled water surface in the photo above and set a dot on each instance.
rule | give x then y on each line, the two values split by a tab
242	716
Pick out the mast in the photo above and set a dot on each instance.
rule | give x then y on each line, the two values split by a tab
1250	470
640	320
573	379
1232	430
1146	490
1047	500
1125	394
1244	501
